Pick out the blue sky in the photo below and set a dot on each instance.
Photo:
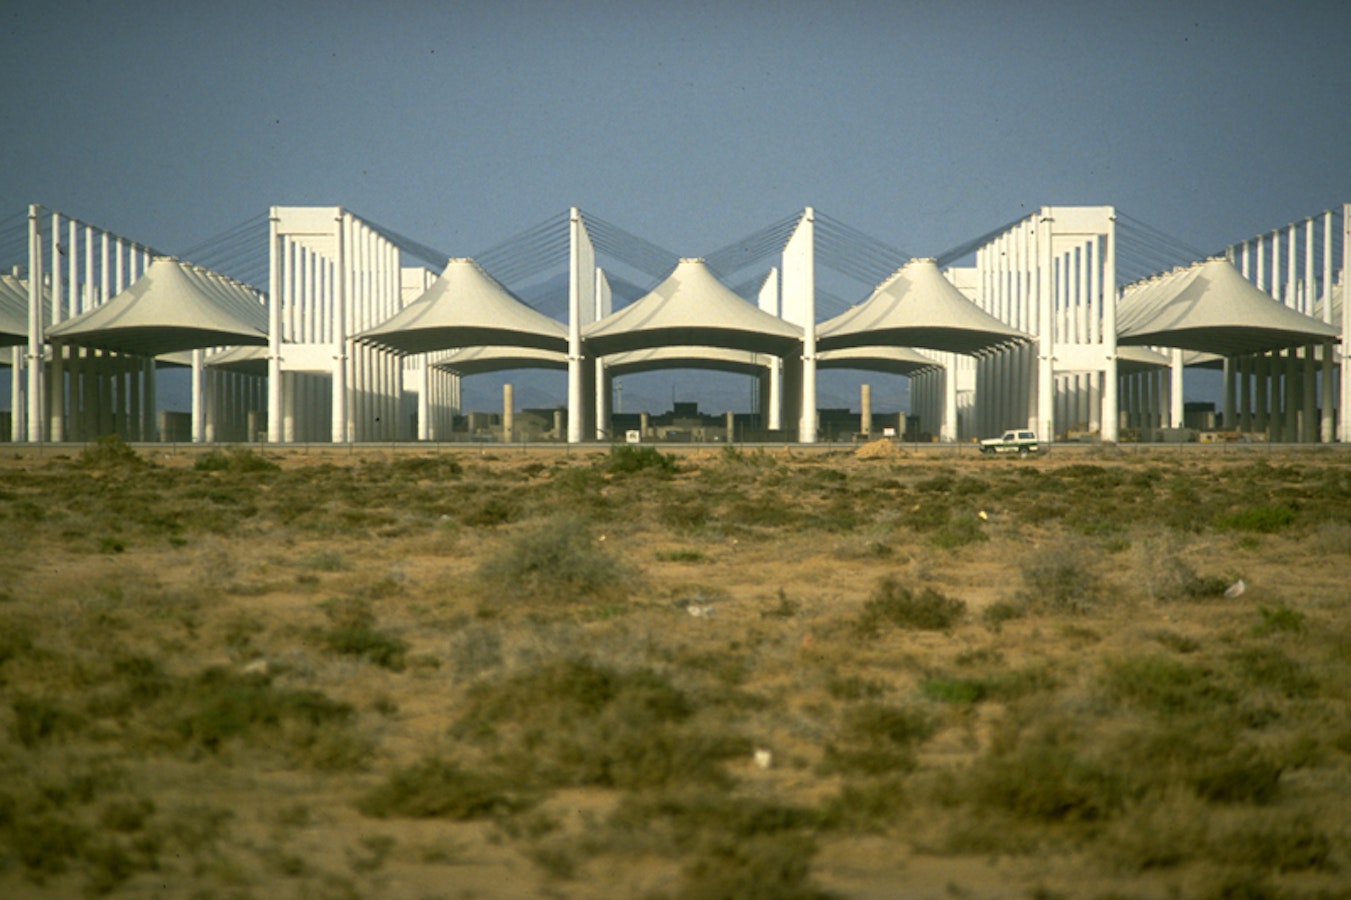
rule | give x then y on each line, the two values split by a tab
690	124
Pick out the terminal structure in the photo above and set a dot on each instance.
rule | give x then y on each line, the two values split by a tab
1077	323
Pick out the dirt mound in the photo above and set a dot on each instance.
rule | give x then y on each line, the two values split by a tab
879	449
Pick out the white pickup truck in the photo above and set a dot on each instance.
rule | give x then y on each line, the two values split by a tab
1020	442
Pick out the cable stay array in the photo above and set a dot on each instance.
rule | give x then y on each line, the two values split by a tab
1143	251
766	243
749	288
434	258
966	248
637	253
830	305
537	249
14	241
852	253
240	252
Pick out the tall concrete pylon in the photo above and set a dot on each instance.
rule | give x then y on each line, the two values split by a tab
581	312
799	308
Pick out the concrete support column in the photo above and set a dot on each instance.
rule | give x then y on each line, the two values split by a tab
1245	393
275	250
1175	418
198	399
287	389
601	382
947	432
34	430
792	390
56	394
1227	410
1046	327
644	425
210	406
1327	424
424	399
1292	396
866	415
508	414
765	395
731	427
807	425
1261	384
771	392
1308	432
149	417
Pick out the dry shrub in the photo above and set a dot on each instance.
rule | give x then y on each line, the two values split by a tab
436	788
571	722
557	562
895	605
1063	579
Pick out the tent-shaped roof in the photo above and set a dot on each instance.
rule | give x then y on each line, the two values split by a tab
467	307
173	306
916	307
692	308
893	360
1210	307
1133	360
714	359
477	360
14	310
245	360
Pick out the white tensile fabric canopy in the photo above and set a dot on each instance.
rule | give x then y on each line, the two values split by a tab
916	307
477	360
245	360
1133	360
467	307
716	359
692	308
892	360
1210	307
173	306
14	311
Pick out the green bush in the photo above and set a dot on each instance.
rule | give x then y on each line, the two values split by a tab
1279	620
626	459
218	706
1274	841
1167	686
893	604
109	452
959	531
235	459
39	719
428	468
762	867
435	788
945	689
996	614
1264	519
573	722
353	633
1060	579
876	739
559	561
374	646
1040	780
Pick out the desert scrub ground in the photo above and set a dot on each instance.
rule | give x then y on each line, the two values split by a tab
718	674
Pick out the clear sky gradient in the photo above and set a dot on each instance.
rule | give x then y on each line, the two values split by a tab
690	124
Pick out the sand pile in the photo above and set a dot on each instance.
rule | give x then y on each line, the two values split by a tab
879	449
